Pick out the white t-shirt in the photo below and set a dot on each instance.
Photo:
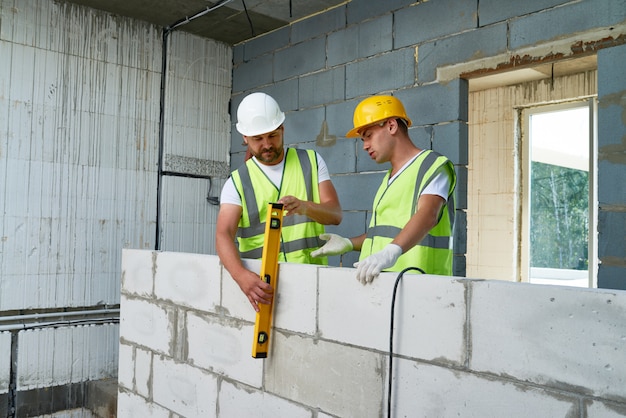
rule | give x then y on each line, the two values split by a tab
439	185
275	174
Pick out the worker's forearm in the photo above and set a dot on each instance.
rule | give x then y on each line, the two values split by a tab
357	242
229	256
413	233
324	213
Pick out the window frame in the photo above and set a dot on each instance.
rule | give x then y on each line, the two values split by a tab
523	175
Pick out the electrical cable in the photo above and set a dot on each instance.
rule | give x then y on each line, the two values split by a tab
160	173
186	20
393	306
214	200
248	16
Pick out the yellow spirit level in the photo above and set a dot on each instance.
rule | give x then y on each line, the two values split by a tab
269	274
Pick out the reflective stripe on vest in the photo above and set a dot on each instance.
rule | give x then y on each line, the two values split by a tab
396	203
299	233
392	231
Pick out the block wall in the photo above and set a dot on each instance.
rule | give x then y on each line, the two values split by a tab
611	168
462	347
319	68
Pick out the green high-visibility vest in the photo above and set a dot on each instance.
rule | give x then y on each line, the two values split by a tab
299	234
396	203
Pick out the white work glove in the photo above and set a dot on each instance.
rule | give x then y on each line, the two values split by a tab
336	245
369	268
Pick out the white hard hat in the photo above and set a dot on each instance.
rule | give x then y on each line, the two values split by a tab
257	114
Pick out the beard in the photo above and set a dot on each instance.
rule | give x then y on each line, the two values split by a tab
269	155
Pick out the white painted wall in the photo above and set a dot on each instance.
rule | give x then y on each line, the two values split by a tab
471	348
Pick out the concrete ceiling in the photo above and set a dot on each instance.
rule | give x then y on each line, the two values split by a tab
227	22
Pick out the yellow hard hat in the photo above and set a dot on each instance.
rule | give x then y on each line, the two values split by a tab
376	109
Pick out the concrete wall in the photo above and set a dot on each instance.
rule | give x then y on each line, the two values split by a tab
423	52
471	348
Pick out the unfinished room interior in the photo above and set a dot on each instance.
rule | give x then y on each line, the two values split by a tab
118	131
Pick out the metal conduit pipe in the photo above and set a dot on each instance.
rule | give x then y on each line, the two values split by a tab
32	321
94	321
57	314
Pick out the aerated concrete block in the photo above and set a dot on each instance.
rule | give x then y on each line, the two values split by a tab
302	126
137	272
190	280
132	405
238	53
224	348
339	117
295	304
336	378
611	62
437	103
492	11
234	301
461	186
604	409
431	20
613	225
299	59
143	372
126	369
342	46
610	277
441	338
256	72
146	323
467	46
236	401
357	191
375	36
187	391
576	338
360	10
319	24
565	21
266	43
390	71
427	390
321	88
450	139
339	155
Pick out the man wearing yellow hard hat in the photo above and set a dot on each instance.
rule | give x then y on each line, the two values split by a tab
413	210
297	178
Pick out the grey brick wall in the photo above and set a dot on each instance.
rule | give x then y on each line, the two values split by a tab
611	162
319	68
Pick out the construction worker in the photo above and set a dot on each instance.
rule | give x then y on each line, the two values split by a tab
297	178
413	210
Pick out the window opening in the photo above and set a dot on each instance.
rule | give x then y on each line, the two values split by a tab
561	202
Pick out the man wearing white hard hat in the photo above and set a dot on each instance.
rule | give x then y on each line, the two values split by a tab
297	178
